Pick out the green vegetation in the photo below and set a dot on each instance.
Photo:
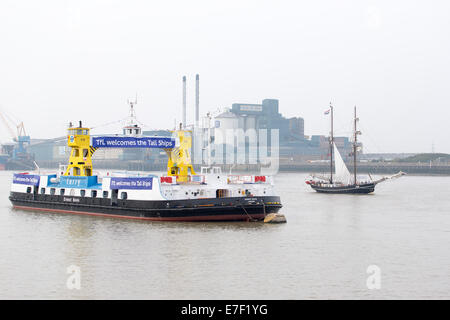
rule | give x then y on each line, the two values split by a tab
426	157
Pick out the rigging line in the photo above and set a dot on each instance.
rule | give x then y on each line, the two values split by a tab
366	134
107	124
343	133
150	127
142	124
345	126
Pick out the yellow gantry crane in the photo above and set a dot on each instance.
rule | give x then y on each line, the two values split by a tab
179	163
80	162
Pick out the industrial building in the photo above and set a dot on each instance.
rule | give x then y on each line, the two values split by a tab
261	116
292	140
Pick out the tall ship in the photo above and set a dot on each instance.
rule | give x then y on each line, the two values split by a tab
343	181
179	195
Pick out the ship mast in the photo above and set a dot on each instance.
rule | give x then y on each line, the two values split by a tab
355	144
331	145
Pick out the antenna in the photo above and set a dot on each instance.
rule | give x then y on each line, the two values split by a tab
132	112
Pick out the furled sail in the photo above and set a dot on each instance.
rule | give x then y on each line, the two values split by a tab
342	174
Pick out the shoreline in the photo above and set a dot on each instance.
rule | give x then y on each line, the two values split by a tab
419	169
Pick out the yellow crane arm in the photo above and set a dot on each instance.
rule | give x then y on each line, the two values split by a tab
179	162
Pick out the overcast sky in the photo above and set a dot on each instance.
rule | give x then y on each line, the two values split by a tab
64	61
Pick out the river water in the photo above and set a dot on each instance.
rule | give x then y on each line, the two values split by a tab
323	252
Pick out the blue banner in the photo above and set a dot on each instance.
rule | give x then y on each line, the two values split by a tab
77	181
132	142
144	183
30	179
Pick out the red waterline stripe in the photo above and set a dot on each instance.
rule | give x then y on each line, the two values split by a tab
197	218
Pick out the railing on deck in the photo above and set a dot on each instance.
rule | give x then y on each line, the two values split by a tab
246	179
200	179
192	179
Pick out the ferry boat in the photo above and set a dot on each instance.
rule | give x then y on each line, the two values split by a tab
179	195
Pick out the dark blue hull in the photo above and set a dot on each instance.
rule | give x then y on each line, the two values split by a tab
215	209
350	189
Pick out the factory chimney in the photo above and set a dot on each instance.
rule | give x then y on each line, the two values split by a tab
197	100
184	103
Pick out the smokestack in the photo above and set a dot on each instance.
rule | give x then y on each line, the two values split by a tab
197	99
184	102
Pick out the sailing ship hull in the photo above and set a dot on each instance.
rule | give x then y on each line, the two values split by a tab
216	209
350	189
